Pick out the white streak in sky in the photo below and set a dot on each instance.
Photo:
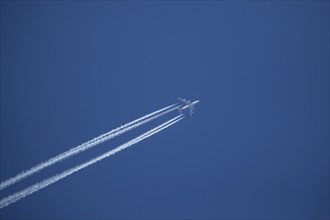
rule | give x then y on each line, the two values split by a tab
36	187
89	144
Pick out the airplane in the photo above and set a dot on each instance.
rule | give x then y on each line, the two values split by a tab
189	105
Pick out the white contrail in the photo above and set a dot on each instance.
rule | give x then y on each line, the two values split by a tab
36	187
82	147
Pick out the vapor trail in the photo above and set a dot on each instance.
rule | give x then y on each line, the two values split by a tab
36	187
91	143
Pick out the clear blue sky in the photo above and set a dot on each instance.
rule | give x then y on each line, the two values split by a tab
256	147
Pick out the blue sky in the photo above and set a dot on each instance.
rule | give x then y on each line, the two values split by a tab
256	147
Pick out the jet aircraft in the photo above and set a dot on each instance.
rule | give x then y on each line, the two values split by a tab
188	105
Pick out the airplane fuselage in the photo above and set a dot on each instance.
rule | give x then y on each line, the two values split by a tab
190	105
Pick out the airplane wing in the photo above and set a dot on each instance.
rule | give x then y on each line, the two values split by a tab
185	101
191	110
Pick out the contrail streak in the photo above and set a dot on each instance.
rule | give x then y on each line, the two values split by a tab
89	144
36	187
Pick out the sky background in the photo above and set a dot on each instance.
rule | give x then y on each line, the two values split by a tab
256	147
